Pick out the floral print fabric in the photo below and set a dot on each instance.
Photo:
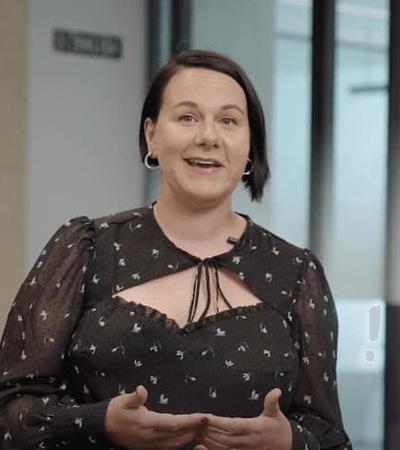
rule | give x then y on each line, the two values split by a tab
71	342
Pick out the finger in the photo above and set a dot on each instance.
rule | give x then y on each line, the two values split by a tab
172	442
137	398
222	434
226	432
178	423
215	444
229	426
271	403
200	433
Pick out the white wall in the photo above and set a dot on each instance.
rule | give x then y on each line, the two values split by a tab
83	116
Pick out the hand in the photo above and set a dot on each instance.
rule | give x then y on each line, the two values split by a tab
131	425
270	430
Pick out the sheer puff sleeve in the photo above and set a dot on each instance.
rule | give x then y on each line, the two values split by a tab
36	407
315	412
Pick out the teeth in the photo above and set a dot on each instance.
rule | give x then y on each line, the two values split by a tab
203	163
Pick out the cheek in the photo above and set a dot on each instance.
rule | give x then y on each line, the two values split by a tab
161	140
241	148
172	141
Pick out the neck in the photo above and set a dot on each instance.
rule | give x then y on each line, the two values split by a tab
192	227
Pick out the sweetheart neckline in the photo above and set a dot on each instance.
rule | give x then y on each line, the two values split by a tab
155	315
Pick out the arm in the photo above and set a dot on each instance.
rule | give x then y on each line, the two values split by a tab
36	409
315	412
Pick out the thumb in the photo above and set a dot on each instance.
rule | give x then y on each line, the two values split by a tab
137	398
271	403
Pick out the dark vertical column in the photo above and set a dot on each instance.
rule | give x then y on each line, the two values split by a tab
392	294
323	66
181	25
153	36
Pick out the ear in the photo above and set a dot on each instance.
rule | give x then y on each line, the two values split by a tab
149	132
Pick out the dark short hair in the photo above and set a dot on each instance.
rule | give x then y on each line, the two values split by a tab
256	180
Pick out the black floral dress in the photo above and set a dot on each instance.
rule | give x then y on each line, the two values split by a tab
71	343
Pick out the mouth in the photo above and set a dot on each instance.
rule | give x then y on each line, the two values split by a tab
203	163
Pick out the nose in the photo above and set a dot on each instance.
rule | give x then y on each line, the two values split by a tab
207	135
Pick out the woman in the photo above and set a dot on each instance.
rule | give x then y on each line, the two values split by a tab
182	323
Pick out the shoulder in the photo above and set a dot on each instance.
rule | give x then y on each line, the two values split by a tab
277	244
126	228
85	228
80	224
121	218
72	231
291	258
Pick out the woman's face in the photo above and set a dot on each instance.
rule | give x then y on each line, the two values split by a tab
201	137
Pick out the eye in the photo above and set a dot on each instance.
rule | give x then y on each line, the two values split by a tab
228	121
187	118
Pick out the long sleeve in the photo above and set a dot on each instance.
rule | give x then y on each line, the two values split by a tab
315	412
37	409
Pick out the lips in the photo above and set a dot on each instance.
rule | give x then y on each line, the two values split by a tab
203	163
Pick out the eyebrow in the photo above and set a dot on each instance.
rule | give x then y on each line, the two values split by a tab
223	108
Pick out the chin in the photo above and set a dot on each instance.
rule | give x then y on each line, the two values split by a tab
208	199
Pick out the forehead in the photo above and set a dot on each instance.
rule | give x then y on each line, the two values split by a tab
203	86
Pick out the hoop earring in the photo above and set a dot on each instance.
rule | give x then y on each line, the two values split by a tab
151	163
249	167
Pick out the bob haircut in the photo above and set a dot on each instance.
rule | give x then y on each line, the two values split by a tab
205	59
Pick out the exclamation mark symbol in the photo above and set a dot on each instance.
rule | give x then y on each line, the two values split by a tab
374	321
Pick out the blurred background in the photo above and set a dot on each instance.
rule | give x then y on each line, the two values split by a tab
73	76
